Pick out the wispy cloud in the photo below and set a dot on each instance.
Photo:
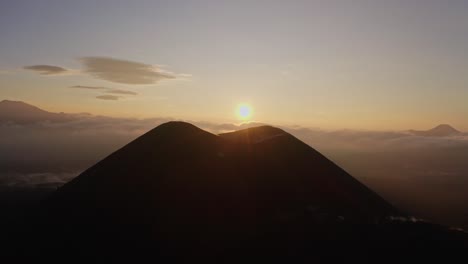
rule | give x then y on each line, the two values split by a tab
123	71
89	87
118	91
108	97
105	90
46	69
113	70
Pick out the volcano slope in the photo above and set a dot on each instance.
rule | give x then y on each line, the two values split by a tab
181	193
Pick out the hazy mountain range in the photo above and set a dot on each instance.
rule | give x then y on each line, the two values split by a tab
17	112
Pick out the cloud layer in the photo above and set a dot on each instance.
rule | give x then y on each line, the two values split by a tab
108	97
46	69
123	71
88	87
119	91
112	70
423	175
104	90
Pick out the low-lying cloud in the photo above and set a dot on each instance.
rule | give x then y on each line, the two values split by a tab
88	87
46	69
119	91
105	89
427	176
108	97
123	71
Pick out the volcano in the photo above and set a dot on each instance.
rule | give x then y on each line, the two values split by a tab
23	113
179	192
442	130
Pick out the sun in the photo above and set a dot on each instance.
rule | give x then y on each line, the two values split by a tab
244	111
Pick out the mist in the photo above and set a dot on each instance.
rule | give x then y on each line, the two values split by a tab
425	176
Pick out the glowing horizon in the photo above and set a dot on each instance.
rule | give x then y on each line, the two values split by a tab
328	64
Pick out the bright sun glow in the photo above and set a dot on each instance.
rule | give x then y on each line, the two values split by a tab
244	111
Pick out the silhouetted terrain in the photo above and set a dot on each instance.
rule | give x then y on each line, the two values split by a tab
424	175
443	130
179	193
429	182
20	112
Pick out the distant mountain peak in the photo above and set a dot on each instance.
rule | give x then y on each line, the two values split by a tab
256	134
176	128
23	113
7	101
442	130
445	127
9	105
11	102
176	125
262	131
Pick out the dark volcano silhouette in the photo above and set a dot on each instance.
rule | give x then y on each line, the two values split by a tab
258	168
443	130
179	192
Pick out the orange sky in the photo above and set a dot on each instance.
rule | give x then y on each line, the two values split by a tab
328	64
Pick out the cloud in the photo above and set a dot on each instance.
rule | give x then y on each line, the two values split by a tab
46	69
108	97
416	173
88	87
113	70
123	71
106	89
118	91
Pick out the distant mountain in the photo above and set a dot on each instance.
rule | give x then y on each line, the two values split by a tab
20	112
179	193
443	130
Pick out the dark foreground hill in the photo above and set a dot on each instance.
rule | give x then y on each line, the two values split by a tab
179	193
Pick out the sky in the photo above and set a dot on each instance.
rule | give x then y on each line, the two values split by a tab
376	65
